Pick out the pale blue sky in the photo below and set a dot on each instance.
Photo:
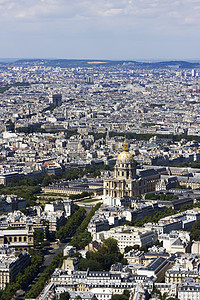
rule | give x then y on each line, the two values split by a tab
100	29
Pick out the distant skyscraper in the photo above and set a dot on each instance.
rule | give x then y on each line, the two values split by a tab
56	99
194	73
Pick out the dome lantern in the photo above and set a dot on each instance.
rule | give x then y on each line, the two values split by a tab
125	156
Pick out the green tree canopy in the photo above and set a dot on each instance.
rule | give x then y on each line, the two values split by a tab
65	296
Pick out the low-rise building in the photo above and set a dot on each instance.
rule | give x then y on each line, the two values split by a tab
134	256
138	292
189	290
86	280
11	263
99	225
55	219
176	241
156	268
178	275
49	292
11	202
19	239
178	221
169	288
129	236
75	187
65	205
69	250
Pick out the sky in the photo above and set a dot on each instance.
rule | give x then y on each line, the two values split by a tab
100	29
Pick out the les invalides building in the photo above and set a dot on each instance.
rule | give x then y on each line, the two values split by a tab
125	182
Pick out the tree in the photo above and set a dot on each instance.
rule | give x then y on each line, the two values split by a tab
195	231
92	264
103	259
126	293
47	180
128	248
38	236
111	245
164	296
156	291
65	296
136	247
46	274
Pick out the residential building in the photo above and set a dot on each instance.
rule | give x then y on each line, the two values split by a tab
189	290
84	281
129	236
12	262
178	275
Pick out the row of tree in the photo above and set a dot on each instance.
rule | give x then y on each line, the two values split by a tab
46	274
69	229
83	237
92	171
79	196
24	279
147	136
192	164
152	219
161	196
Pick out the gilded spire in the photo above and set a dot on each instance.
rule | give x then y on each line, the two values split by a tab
125	145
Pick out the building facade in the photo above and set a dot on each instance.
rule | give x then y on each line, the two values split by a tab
11	263
19	239
189	291
129	236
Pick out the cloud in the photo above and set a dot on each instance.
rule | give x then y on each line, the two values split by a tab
141	22
170	10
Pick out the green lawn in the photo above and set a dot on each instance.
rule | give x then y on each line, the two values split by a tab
90	200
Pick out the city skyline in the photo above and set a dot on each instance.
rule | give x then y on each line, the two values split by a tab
125	30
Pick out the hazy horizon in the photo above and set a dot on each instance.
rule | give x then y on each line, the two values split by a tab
99	59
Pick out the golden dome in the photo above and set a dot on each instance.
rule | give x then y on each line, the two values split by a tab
125	156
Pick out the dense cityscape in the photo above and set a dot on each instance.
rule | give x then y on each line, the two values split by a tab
99	180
